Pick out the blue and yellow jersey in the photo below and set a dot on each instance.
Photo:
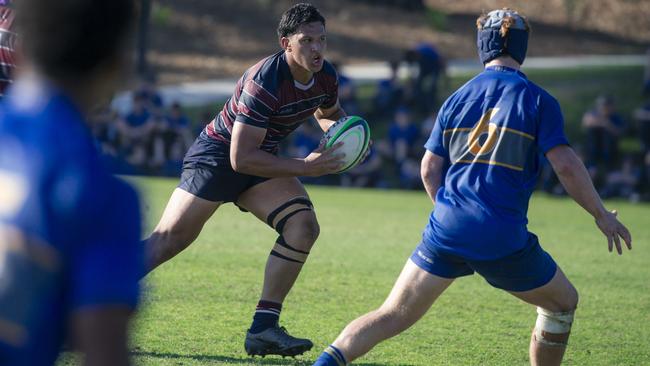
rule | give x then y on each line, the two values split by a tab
491	133
69	231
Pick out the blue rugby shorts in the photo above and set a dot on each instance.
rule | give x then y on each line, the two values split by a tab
526	269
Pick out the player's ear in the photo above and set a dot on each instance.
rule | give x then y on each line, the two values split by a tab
285	44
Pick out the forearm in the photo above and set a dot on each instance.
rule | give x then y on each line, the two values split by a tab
575	179
263	164
431	184
326	121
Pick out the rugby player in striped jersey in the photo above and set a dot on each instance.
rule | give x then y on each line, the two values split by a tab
235	159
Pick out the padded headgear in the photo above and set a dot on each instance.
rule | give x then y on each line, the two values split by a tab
502	32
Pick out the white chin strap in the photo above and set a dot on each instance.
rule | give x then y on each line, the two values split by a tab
555	323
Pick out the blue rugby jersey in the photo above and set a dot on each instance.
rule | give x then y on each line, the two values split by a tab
490	132
69	231
267	96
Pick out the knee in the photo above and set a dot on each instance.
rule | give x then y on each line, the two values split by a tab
571	301
302	231
568	302
564	300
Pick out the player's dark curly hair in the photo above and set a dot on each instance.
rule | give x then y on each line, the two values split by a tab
71	38
297	15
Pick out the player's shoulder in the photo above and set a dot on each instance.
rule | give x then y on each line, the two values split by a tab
269	73
46	130
328	70
539	95
543	94
44	118
327	75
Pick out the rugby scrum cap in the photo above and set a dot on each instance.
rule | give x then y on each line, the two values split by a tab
502	32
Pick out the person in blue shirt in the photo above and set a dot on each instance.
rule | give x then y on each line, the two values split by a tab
603	127
70	257
402	134
480	168
430	67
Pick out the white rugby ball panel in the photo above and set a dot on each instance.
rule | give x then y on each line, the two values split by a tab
354	132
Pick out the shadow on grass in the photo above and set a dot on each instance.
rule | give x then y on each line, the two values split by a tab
274	360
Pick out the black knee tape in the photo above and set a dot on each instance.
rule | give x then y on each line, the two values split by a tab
287	252
280	225
283	243
276	254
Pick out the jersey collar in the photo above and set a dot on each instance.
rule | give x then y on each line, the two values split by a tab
500	68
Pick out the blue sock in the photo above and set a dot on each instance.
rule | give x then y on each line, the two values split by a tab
332	356
266	316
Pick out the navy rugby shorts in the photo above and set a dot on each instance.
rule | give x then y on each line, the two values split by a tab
526	269
207	172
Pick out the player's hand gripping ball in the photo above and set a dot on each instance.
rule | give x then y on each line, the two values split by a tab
354	132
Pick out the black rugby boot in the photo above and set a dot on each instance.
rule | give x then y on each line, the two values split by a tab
276	341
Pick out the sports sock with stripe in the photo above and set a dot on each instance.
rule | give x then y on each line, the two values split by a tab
332	356
266	316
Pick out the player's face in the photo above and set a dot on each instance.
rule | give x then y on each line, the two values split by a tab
307	46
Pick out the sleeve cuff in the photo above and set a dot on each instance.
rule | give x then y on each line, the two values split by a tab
250	122
548	145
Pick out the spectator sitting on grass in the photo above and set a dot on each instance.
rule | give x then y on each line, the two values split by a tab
402	134
389	93
179	127
137	126
429	67
623	182
603	127
149	92
642	116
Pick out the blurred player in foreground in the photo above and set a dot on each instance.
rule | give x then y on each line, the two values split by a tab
235	160
480	169
70	257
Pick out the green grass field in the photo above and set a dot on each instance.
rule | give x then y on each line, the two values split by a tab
197	307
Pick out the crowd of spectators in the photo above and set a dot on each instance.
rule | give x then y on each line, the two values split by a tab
616	172
152	138
148	140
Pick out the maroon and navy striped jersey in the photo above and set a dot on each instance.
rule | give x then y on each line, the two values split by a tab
7	41
267	96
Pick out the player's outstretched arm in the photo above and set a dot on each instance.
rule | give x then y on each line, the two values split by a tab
575	179
247	158
431	172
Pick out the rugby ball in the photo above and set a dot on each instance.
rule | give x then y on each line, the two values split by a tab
354	132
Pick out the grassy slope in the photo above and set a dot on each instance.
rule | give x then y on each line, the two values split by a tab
198	306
